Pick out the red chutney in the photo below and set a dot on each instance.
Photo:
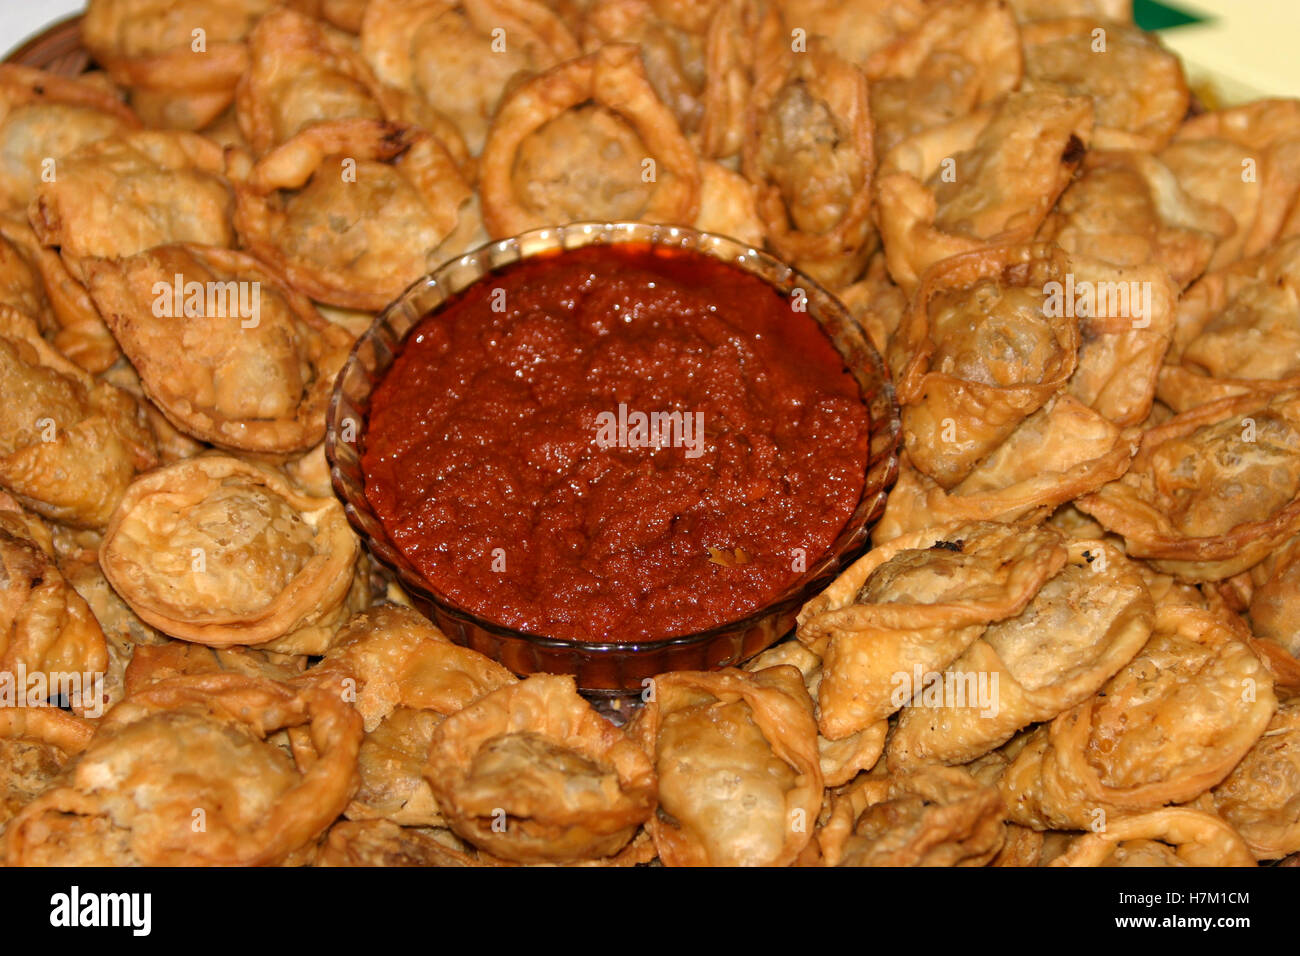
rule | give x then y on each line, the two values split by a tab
495	458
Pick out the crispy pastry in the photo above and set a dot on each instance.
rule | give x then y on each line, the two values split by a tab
841	760
855	28
1082	626
233	356
531	773
1129	209
1247	160
985	178
809	152
123	194
1261	797
35	743
728	204
917	602
964	55
1137	86
352	211
1274	605
404	677
638	164
1238	332
68	445
979	352
380	843
462	57
1212	491
740	780
180	59
934	816
181	774
221	551
43	117
1169	726
1176	836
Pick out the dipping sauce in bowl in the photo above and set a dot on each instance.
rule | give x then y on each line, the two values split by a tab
616	443
517	439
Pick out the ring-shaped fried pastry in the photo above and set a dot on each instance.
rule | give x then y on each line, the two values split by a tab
987	178
69	445
462	57
1082	626
809	151
740	780
979	352
234	357
1169	726
220	551
933	816
917	602
181	773
352	211
531	773
1212	491
1176	836
604	96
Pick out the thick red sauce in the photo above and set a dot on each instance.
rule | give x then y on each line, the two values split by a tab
486	460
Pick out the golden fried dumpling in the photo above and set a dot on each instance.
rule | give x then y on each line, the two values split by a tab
462	57
43	117
1082	626
1261	797
1212	491
182	774
1245	159
64	309
980	351
1137	86
404	676
855	28
963	55
841	760
35	743
227	351
180	58
933	816
809	151
1063	450
985	178
1176	836
917	602
636	162
124	194
1238	332
158	662
381	843
531	773
1169	726
1274	607
1128	208
220	551
740	780
353	211
69	445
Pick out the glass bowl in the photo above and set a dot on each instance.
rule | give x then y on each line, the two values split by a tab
610	669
